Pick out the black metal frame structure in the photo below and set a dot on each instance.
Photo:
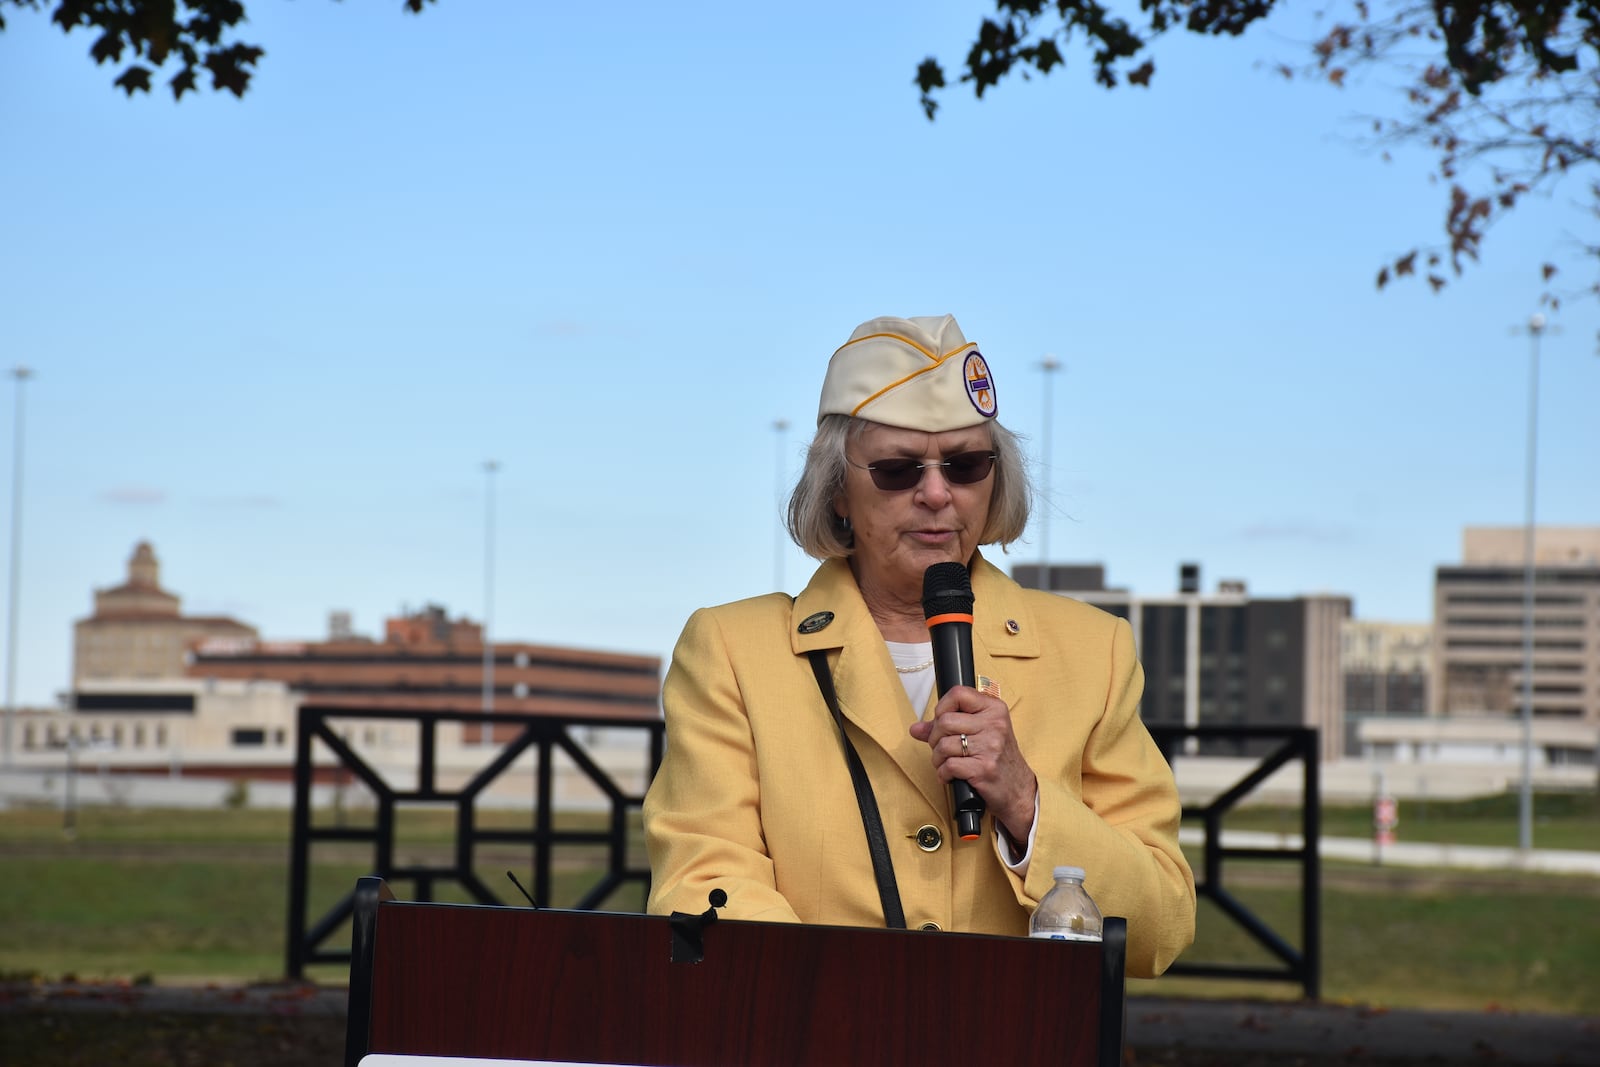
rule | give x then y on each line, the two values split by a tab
544	735
1303	966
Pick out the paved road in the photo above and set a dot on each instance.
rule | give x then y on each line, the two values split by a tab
1352	1034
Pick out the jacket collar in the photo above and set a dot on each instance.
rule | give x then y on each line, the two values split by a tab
831	609
830	614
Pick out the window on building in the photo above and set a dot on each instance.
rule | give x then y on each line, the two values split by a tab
249	737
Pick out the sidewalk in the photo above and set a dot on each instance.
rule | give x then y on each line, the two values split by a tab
1214	1031
1414	853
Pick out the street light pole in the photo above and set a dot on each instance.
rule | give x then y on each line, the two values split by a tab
489	468
781	427
1049	365
21	374
1536	326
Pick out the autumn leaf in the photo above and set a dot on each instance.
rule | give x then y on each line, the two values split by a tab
183	82
133	80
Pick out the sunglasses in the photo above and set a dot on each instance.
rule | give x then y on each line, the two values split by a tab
898	475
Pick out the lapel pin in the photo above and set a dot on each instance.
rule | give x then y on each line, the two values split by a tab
812	623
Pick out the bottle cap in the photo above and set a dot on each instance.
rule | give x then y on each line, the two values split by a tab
1075	873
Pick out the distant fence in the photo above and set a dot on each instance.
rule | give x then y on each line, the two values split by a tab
541	735
1275	747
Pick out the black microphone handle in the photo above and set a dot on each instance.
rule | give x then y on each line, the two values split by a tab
952	656
953	666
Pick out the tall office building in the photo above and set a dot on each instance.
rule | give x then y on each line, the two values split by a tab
1224	658
1478	624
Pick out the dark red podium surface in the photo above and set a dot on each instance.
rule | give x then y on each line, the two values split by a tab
515	983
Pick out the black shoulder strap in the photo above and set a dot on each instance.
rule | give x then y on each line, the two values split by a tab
882	868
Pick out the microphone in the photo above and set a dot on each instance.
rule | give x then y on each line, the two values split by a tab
521	890
947	605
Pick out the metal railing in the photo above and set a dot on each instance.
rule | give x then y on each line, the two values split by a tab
545	735
541	735
1282	744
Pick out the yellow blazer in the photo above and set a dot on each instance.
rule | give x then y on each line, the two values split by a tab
754	796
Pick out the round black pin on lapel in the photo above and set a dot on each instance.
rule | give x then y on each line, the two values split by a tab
812	623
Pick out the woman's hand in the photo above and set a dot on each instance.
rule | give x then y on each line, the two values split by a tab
989	759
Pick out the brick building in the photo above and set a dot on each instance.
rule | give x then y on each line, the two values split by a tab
430	662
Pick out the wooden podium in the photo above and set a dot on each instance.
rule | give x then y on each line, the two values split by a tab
595	987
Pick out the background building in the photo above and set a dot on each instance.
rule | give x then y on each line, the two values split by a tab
428	662
1386	666
137	630
1224	658
159	698
177	726
1478	625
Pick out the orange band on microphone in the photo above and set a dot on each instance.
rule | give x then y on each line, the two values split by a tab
952	617
969	837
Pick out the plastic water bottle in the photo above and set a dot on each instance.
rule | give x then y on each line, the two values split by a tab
1066	913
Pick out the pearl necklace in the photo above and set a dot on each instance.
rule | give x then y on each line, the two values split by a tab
924	665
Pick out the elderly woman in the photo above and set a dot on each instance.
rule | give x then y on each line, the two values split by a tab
755	795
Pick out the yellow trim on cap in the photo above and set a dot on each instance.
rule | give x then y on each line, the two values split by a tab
939	361
897	336
893	386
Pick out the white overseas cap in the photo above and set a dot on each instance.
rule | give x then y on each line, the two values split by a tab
917	374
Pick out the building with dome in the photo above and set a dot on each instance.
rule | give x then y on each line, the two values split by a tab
138	630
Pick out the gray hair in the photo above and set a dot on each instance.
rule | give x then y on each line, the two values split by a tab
819	531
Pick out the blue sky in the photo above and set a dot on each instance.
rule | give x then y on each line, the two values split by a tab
278	336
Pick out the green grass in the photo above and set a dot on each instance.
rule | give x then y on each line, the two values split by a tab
203	896
1418	940
104	918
